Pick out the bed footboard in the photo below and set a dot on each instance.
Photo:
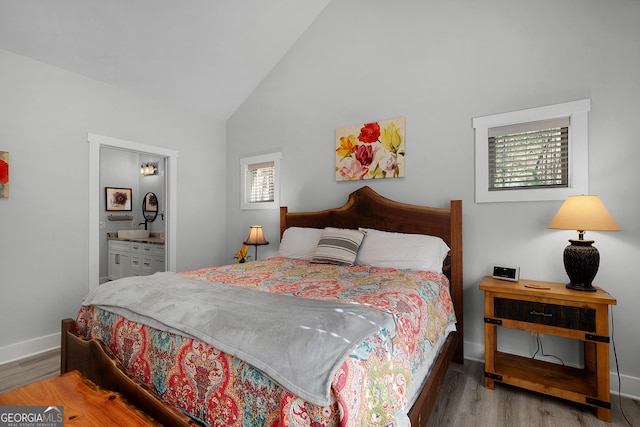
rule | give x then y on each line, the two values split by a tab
96	362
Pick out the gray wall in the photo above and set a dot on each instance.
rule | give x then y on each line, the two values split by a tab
45	116
439	64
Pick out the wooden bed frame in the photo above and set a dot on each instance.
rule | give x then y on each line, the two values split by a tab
364	208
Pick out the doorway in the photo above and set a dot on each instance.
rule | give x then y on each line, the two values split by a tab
96	142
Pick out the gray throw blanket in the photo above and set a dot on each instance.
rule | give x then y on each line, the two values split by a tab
300	343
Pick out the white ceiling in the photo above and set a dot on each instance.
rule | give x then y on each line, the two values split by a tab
205	56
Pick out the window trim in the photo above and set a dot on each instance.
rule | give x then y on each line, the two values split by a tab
577	111
245	181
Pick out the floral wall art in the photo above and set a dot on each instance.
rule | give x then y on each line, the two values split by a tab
4	174
118	199
372	150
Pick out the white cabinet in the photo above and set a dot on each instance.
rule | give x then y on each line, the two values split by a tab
146	258
119	259
132	258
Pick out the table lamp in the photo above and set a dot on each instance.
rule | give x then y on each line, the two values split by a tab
581	259
256	238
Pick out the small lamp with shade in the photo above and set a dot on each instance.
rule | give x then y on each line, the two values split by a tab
581	259
256	238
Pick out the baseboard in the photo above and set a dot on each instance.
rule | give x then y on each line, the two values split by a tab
28	348
474	351
629	386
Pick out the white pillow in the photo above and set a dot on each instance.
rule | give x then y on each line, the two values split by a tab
299	243
402	251
338	246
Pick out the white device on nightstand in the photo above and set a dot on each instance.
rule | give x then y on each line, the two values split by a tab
506	272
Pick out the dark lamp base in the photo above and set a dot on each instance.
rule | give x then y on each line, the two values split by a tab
581	261
579	287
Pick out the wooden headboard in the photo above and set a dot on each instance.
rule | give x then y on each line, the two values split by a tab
366	208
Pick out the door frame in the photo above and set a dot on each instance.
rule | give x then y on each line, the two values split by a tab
95	143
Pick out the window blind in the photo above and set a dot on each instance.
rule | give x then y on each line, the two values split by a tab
529	155
262	182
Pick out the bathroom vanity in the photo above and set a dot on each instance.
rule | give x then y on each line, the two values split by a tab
135	257
137	252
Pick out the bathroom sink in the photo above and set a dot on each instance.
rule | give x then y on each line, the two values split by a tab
133	234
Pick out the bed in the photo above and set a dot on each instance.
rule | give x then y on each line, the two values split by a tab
120	370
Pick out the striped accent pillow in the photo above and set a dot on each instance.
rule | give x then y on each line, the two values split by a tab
338	246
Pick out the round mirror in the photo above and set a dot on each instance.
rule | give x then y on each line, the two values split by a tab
150	207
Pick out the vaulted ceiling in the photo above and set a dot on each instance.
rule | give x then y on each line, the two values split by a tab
205	56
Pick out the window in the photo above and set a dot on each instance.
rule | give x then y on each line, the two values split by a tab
535	154
260	181
529	155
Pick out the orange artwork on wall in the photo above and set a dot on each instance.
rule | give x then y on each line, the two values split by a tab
4	174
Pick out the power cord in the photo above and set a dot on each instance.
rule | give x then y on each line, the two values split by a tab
615	356
540	350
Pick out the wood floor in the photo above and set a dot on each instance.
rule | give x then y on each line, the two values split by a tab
463	402
29	370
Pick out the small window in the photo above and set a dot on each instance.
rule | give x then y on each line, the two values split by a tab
535	154
260	181
529	155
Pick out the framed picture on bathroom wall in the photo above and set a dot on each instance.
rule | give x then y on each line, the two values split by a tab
118	199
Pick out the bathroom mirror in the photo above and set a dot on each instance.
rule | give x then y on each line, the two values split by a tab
150	207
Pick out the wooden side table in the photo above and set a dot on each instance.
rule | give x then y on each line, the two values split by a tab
550	308
84	403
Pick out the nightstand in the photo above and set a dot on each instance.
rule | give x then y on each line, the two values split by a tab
552	309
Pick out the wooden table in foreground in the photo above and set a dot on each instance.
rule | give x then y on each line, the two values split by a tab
85	404
550	308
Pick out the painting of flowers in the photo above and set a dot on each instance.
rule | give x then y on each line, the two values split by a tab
4	174
118	199
372	150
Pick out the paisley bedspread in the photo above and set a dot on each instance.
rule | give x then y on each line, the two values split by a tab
372	387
